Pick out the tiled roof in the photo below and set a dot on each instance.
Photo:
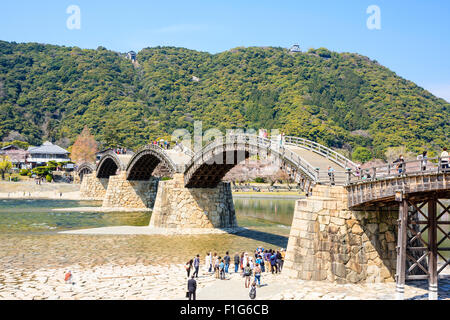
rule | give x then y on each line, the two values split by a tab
48	148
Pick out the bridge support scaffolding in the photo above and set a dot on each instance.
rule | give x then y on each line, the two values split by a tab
179	207
412	223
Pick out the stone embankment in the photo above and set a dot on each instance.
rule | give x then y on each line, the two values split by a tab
330	242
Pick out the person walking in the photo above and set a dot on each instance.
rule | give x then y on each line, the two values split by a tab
331	175
227	261
283	256
423	160
213	262
222	270
260	262
273	262
444	159
192	288
257	271
250	260
68	277
245	261
196	265
208	264
247	275
216	267
278	261
237	260
401	164
188	267
267	261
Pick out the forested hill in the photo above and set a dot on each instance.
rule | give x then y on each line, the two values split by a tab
342	100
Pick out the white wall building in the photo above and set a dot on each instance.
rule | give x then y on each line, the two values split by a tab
45	153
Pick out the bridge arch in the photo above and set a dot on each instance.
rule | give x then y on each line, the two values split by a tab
209	166
144	162
85	168
109	164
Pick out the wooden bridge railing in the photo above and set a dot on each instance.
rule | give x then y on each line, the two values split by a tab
321	150
398	169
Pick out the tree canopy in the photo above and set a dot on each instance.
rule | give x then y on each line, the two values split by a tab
342	100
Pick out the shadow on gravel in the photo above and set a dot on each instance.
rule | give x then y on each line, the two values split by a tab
276	240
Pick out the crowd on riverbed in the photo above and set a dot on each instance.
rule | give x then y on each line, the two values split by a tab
254	265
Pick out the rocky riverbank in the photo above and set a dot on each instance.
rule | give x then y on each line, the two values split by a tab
31	190
158	282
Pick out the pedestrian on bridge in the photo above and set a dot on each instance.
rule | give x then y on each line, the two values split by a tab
331	175
444	159
423	160
401	164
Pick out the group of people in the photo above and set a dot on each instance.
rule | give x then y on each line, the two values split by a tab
248	265
162	143
120	150
400	164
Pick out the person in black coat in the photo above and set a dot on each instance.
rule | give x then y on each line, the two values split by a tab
192	287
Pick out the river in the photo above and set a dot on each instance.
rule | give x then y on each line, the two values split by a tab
29	235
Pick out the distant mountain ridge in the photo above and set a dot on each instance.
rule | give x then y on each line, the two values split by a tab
342	100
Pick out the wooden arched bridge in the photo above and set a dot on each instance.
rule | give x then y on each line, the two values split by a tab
305	160
196	197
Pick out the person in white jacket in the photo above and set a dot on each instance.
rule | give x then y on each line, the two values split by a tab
208	262
444	159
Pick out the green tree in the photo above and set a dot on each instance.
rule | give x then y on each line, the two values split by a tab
5	166
362	154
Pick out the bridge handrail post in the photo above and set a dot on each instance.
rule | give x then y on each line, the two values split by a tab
349	175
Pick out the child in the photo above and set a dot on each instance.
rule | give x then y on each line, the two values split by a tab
68	277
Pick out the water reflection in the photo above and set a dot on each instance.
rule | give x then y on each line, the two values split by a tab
275	210
28	238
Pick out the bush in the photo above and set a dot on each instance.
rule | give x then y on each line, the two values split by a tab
259	180
49	178
29	174
166	178
362	154
24	172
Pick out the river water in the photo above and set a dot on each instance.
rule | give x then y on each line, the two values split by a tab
29	238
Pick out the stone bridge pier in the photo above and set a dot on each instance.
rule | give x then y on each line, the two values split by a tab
125	193
179	207
92	187
328	241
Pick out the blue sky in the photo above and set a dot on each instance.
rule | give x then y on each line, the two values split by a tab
413	40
